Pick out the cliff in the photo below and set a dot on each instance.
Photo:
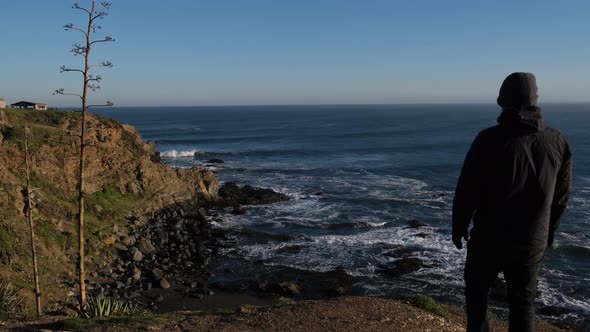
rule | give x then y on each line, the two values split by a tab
123	179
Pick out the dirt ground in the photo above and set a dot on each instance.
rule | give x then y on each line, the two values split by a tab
343	314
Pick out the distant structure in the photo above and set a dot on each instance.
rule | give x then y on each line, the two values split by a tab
29	105
2	103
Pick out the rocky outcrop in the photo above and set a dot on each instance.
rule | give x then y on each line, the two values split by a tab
123	179
230	194
117	159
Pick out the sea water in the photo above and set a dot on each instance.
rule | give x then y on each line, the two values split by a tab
357	175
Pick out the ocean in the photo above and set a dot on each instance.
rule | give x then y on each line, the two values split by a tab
357	175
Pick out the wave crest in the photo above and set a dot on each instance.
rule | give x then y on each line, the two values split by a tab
179	154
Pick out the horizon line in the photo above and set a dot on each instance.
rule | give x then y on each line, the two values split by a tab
321	104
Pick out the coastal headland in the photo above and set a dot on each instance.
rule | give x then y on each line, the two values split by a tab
150	240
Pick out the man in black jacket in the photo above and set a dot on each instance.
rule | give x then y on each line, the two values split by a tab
515	185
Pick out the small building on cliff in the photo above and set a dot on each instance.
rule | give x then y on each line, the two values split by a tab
30	105
2	103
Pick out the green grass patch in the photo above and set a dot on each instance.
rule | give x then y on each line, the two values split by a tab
50	234
284	301
49	117
427	303
110	204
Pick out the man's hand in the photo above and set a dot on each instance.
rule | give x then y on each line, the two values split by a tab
457	235
550	240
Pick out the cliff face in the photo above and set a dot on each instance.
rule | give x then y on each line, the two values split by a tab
123	177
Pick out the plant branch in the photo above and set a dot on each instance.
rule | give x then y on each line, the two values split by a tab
106	104
63	93
63	69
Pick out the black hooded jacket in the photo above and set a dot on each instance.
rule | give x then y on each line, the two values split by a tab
515	185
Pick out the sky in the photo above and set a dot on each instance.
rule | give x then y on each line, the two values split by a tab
275	52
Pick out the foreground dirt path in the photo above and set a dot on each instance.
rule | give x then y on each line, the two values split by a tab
343	314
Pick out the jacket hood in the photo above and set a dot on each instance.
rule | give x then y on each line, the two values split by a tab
518	90
522	119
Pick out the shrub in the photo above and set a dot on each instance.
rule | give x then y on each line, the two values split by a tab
108	306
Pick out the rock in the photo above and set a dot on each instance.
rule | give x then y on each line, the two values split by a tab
146	247
215	161
136	274
499	290
163	236
232	195
137	256
552	310
133	295
238	210
164	283
157	274
119	285
402	266
290	289
126	241
292	249
416	224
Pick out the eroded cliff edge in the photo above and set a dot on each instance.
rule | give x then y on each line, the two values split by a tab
124	180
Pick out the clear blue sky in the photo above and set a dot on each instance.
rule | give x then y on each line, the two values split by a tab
192	52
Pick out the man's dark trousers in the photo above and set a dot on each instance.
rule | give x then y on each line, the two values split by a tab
481	270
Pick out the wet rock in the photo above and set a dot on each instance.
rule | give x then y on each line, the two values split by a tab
552	310
402	266
215	161
231	194
238	210
292	249
416	224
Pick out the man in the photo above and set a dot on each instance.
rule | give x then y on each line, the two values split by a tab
515	184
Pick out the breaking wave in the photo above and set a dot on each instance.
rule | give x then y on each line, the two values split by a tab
179	154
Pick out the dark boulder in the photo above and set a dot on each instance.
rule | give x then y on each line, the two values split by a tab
402	266
231	194
416	224
238	210
215	161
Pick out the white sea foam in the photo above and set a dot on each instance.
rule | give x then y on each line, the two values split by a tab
179	154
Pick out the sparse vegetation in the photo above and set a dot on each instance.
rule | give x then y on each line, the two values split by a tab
284	301
248	308
10	300
427	303
96	11
108	306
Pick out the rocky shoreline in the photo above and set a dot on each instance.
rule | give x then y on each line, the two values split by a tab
169	247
